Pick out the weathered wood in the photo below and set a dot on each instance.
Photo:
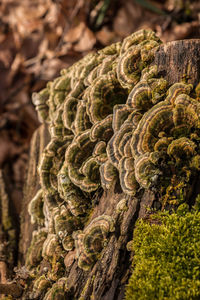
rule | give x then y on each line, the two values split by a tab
179	59
39	141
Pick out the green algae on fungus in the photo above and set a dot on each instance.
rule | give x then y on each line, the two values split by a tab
138	37
133	60
169	126
34	254
35	208
109	174
166	262
40	286
91	241
57	291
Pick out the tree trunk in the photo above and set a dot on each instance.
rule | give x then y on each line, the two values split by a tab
107	279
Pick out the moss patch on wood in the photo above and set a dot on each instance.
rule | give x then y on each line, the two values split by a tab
166	263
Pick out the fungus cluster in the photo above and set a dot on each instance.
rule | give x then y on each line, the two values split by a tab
111	117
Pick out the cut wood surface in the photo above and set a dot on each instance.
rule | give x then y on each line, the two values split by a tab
179	59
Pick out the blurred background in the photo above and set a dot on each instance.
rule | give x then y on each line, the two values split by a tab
40	37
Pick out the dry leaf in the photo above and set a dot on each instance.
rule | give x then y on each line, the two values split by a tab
86	42
106	37
74	34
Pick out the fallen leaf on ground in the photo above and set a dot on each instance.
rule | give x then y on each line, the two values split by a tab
86	42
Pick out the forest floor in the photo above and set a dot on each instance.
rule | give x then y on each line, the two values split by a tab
40	37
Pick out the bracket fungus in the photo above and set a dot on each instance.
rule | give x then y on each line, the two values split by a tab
111	119
92	240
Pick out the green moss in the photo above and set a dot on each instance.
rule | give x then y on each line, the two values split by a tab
166	264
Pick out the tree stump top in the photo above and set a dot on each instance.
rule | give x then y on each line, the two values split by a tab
178	60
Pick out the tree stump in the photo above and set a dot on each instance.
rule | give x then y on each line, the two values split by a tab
179	59
107	279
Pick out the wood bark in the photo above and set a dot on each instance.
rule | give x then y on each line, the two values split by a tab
107	279
39	141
